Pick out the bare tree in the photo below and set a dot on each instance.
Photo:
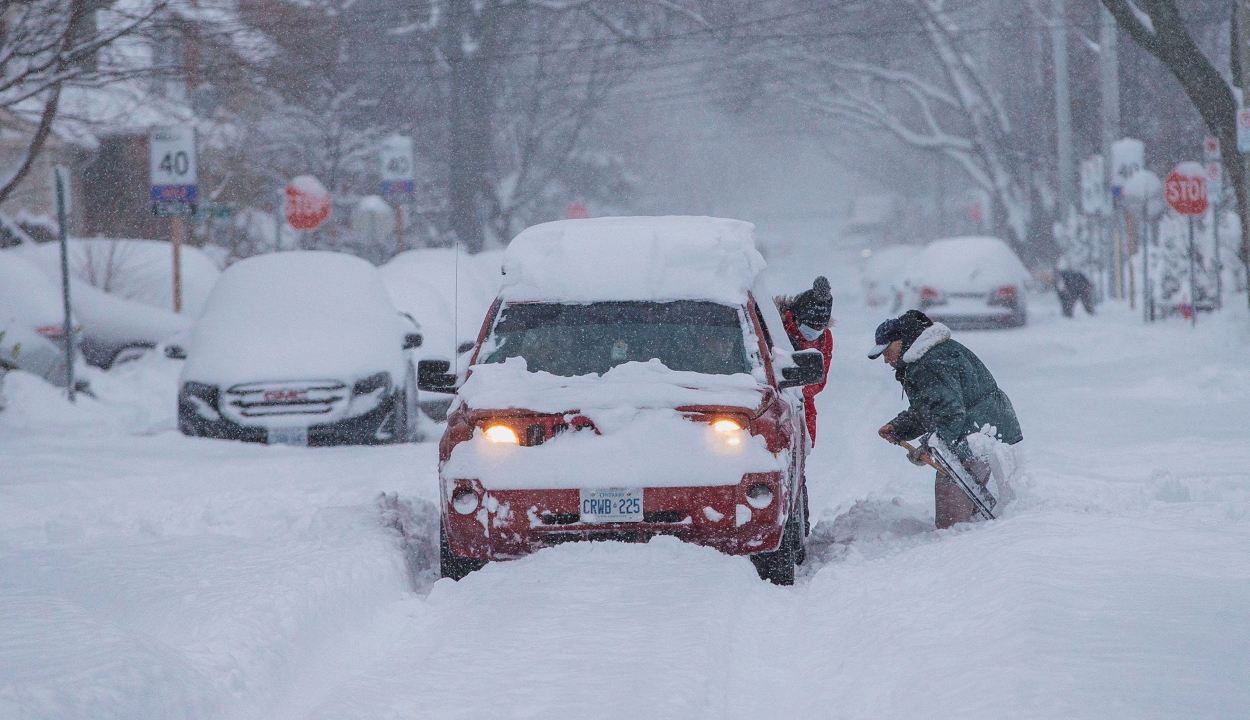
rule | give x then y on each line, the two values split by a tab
47	45
942	102
475	40
1158	27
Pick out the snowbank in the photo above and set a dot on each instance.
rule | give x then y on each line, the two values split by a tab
27	296
967	264
653	448
633	258
633	384
297	315
138	270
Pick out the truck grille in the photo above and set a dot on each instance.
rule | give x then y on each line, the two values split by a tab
293	398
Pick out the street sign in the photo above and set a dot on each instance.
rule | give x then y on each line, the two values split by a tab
1186	189
1243	131
1215	182
1093	187
172	166
397	165
1211	149
1128	155
307	203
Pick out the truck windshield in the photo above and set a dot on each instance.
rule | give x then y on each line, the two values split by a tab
569	340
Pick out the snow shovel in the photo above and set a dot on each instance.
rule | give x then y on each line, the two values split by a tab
940	458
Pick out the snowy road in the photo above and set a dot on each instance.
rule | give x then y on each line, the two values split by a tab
143	574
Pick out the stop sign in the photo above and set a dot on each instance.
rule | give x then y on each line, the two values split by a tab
1186	189
307	203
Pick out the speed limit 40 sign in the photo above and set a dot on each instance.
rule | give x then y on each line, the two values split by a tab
173	168
397	170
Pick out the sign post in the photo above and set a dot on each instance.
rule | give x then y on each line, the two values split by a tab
398	178
60	177
1215	192
175	187
1186	192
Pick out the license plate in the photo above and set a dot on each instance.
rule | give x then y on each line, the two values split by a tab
289	436
611	505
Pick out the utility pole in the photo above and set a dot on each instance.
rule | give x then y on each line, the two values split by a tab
1109	63
1063	105
1243	54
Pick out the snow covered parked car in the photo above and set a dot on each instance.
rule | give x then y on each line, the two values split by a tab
626	383
969	283
885	278
32	318
299	348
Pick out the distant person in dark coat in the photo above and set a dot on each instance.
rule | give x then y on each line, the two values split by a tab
1073	286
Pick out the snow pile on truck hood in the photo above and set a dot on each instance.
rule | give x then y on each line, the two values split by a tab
633	258
652	448
297	316
633	384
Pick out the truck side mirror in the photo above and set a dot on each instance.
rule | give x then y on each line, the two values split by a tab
809	369
433	376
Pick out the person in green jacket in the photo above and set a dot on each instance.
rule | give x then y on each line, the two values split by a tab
951	393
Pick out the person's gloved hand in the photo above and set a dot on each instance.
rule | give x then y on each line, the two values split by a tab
917	457
887	433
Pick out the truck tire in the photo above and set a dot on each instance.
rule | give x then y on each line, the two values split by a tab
451	565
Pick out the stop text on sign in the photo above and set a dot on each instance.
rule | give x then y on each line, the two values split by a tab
1186	193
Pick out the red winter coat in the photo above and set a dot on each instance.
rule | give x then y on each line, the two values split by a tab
824	344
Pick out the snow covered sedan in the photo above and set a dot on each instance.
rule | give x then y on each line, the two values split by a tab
299	348
631	380
884	276
969	283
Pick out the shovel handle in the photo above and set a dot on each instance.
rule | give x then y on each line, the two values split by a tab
923	456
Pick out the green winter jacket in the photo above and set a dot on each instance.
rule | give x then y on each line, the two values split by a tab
951	392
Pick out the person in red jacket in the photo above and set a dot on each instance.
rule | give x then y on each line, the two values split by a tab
807	318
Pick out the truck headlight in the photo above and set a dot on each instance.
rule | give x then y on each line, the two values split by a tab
502	434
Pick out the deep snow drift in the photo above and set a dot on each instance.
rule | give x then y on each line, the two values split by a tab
144	574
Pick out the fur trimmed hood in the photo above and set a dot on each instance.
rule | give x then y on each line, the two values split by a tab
934	335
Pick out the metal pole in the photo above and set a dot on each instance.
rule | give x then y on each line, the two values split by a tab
1109	87
1063	105
399	228
278	212
175	238
1219	267
58	174
1193	297
1243	36
1147	294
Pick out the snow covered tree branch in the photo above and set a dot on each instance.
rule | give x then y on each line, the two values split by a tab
46	45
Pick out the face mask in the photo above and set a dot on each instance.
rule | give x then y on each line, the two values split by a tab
808	333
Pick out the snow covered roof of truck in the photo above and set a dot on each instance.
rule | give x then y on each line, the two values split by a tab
633	258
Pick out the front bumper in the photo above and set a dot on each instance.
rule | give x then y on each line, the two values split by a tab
375	427
507	524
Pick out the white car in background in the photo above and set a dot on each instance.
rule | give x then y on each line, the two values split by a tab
969	283
300	348
884	276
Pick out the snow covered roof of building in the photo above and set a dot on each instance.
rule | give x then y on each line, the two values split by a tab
633	258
